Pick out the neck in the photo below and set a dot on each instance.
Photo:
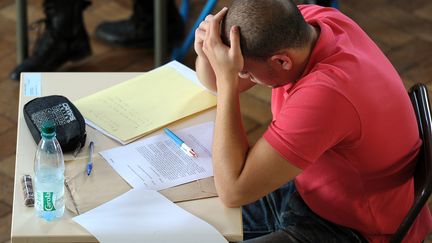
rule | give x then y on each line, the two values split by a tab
303	54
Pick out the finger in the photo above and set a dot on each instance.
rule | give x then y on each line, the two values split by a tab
235	39
208	18
207	32
200	34
218	17
214	25
203	25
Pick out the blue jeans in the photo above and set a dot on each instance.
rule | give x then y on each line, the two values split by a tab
282	216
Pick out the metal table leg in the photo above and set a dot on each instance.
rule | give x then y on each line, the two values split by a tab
21	33
160	36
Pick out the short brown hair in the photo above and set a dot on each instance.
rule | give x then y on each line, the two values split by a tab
266	26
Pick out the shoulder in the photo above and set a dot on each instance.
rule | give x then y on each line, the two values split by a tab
313	13
313	9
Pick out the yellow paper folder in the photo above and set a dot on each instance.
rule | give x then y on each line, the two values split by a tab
143	104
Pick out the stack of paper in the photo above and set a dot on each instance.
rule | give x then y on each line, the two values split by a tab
136	107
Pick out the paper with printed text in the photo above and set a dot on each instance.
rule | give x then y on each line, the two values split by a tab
157	162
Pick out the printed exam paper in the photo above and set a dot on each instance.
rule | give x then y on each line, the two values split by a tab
157	162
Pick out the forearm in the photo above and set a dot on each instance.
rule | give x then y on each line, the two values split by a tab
230	144
205	73
207	76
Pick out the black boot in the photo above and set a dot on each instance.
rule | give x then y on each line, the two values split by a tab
137	31
64	38
325	3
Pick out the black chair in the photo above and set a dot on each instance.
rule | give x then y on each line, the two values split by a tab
422	174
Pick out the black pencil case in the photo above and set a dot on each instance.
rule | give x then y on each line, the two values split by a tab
70	124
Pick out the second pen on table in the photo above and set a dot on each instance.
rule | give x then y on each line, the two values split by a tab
90	159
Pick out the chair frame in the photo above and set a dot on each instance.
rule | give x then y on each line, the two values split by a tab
422	174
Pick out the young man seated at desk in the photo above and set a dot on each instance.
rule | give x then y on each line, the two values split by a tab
336	162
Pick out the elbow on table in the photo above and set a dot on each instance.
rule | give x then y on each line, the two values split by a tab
231	198
230	203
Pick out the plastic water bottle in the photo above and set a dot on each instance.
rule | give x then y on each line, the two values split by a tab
49	175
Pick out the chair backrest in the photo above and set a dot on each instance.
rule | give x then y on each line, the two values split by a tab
423	171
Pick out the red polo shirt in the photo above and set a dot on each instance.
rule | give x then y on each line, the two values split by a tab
349	124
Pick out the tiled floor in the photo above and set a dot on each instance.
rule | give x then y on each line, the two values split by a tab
403	29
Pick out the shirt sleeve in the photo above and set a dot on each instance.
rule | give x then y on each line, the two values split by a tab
312	121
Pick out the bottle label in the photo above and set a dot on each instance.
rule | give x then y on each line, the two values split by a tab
48	204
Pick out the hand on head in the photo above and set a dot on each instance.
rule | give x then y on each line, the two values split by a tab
200	34
226	61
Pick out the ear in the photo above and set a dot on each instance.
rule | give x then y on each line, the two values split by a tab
282	60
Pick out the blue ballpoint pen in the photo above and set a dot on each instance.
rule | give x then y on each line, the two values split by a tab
90	160
190	152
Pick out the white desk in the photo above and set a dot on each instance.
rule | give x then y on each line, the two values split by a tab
27	227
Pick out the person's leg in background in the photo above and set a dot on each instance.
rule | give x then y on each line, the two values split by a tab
63	39
282	216
325	3
137	31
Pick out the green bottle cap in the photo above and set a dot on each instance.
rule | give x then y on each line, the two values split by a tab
48	127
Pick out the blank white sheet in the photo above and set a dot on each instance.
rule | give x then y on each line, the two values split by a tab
142	215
